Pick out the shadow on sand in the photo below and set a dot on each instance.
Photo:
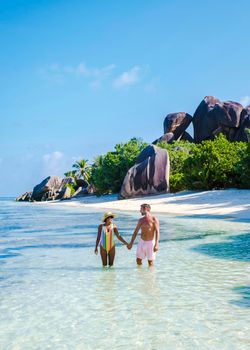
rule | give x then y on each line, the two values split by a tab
215	200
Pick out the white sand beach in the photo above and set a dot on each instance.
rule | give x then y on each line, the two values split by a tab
231	203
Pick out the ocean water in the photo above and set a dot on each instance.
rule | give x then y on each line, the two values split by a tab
54	294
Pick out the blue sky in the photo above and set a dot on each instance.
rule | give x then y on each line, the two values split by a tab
77	77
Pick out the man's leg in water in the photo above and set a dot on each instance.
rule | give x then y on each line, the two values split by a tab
139	252
150	253
139	261
111	256
103	256
150	263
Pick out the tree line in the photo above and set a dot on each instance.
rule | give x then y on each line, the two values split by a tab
212	164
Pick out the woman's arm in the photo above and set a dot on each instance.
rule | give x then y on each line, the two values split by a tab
119	236
98	238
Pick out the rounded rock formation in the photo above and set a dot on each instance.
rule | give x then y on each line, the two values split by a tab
47	189
149	175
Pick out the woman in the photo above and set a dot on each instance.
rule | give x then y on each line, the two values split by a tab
105	237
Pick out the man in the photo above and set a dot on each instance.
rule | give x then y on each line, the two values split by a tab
150	235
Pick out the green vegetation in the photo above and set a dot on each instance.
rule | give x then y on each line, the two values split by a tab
109	170
71	173
216	164
210	165
247	131
179	152
244	167
72	188
82	169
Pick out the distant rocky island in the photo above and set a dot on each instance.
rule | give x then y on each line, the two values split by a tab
150	173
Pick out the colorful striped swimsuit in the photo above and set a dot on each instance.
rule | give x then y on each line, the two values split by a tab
107	238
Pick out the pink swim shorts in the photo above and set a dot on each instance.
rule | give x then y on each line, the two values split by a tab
145	249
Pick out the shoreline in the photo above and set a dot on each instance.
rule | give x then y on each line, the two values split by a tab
229	203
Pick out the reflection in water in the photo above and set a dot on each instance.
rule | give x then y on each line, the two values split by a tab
132	299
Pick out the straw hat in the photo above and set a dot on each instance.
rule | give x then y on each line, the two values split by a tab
107	215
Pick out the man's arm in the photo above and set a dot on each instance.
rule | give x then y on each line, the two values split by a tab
98	238
157	234
134	234
118	236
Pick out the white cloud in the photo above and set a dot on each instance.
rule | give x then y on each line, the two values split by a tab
53	163
81	69
95	84
76	159
52	156
245	100
100	75
68	69
57	163
58	73
96	77
52	73
128	78
103	72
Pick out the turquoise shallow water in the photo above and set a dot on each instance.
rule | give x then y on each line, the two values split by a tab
54	293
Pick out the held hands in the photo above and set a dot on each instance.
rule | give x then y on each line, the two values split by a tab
156	248
129	246
96	251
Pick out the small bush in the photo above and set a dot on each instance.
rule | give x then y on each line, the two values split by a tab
214	164
211	164
72	188
243	168
179	152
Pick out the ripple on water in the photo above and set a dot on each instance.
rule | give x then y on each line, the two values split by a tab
55	294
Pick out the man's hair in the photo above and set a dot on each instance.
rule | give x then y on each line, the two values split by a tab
147	206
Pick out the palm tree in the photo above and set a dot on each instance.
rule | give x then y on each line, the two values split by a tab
82	169
71	173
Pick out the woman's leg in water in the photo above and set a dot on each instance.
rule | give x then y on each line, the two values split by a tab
104	256
111	256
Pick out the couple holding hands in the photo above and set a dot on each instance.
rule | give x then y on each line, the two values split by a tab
147	245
